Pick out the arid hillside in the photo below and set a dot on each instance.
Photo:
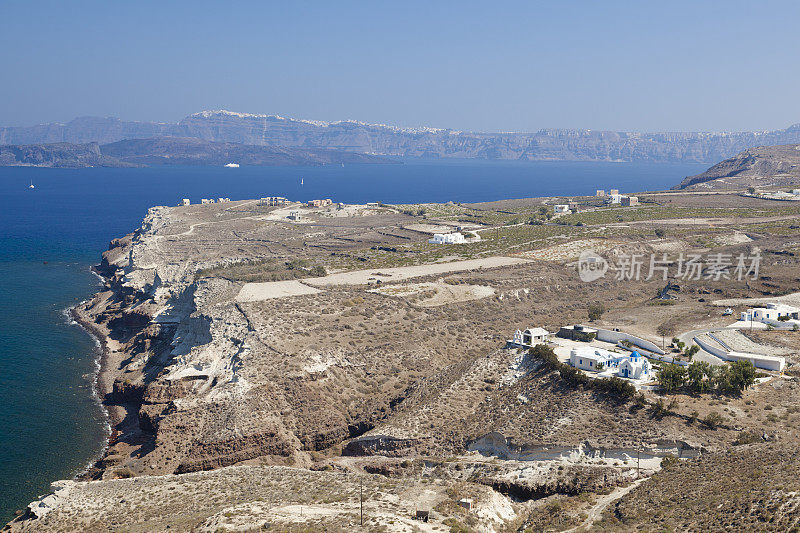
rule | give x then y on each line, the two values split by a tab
765	166
286	347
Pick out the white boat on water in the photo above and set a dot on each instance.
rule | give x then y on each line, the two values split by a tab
232	165
31	185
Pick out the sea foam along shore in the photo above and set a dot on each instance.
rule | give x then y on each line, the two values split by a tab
103	382
73	320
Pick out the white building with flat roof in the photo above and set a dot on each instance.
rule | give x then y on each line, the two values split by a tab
771	312
589	358
186	201
561	209
447	238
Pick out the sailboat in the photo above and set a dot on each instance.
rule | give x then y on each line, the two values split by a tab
31	185
301	181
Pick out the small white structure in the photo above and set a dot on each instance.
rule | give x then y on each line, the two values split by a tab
629	201
613	192
772	312
447	238
466	503
614	198
207	201
531	337
221	200
295	215
796	192
561	209
232	165
186	201
600	193
634	367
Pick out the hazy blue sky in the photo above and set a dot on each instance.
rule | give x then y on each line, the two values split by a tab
492	66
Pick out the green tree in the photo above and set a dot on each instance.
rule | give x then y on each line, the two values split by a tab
671	377
742	375
699	375
692	350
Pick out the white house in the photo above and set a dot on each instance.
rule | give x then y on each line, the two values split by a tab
770	312
207	201
561	209
588	358
447	238
186	201
295	215
614	198
531	337
634	366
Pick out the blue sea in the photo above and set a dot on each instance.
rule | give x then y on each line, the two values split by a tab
51	426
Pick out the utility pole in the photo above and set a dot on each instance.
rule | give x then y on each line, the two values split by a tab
638	462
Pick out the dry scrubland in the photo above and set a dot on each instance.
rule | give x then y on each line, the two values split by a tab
406	384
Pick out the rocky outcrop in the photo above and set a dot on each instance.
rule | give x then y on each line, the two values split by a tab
353	136
762	166
381	445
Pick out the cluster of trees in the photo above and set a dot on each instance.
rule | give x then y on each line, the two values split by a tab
680	345
613	386
702	377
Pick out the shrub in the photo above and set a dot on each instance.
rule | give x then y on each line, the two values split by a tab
596	310
713	420
747	437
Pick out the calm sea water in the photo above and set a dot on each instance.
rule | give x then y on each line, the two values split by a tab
50	426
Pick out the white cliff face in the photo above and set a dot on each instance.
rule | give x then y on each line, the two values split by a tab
211	341
211	334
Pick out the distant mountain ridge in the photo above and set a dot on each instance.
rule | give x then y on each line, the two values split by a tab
354	136
171	151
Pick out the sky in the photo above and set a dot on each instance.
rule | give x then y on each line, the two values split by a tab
475	66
